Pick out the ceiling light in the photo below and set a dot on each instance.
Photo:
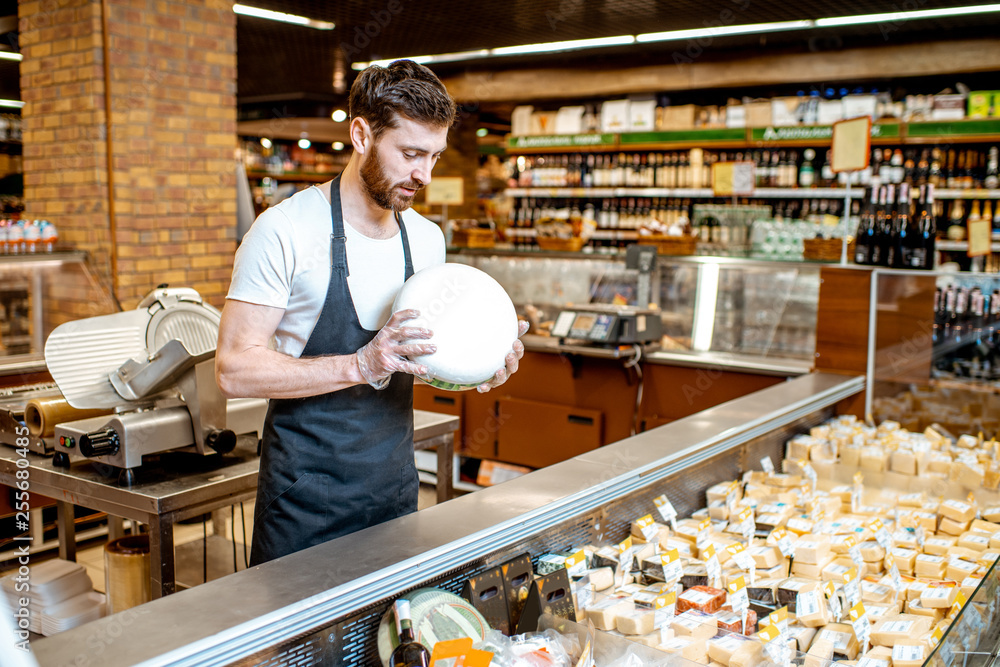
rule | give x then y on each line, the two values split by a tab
265	142
14	104
339	115
10	55
890	17
304	144
424	60
257	12
337	145
722	30
570	45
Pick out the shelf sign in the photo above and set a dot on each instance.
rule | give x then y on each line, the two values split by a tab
560	140
816	132
444	190
732	178
703	135
979	237
851	144
953	128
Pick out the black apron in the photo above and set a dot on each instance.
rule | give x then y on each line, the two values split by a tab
336	463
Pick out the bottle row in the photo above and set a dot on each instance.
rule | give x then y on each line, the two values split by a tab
968	316
18	237
890	234
965	168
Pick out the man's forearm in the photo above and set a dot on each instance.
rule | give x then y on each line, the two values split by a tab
261	372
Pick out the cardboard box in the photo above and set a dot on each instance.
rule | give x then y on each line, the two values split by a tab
679	117
785	111
615	116
856	106
569	120
520	120
984	104
948	107
642	115
758	114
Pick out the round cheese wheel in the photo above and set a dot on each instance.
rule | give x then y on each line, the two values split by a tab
472	318
437	616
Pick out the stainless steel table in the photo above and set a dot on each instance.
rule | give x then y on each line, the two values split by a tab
175	486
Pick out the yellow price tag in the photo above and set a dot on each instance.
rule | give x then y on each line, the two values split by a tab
769	633
737	585
858	478
665	600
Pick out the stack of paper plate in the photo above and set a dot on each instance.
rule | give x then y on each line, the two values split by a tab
75	611
51	584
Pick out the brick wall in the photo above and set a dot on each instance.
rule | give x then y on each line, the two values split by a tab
173	137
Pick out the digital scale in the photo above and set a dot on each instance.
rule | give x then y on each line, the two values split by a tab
609	325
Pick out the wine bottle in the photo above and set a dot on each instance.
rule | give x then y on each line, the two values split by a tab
883	221
410	652
901	230
922	252
992	178
864	239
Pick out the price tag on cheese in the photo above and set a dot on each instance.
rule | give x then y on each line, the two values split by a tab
854	551
897	581
909	654
784	541
882	535
776	648
779	619
672	570
624	561
732	497
747	525
830	592
935	637
852	587
816	512
810	474
743	560
666	510
956	606
703	527
647	527
921	536
576	564
859	621
663	612
738	598
857	493
584	593
712	566
767	465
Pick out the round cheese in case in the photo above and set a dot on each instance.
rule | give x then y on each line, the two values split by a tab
472	318
437	616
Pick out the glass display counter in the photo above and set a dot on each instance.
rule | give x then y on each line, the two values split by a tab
38	293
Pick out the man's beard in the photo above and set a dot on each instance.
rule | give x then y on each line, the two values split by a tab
383	192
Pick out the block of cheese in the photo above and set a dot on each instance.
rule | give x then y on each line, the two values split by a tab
875	592
992	513
643	551
687	529
811	570
878	610
989	556
970	584
798	448
916	608
995	541
962	552
685	548
702	598
926	520
912	499
939	544
988	527
636	531
939	596
916	587
835	571
873	459
951	527
689	648
872	551
880	653
810	607
636	621
696	624
908	656
788	589
960	569
721	492
718	510
652	639
694	574
800	635
845	644
764	590
905	559
605	612
974	540
732	650
938	462
813	549
957	511
906	537
892	630
765	557
820	653
930	566
731	621
903	461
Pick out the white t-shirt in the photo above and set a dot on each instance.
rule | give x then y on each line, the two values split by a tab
284	262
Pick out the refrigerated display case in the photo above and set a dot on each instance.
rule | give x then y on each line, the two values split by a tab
38	292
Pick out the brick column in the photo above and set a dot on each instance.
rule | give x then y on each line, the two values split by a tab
170	215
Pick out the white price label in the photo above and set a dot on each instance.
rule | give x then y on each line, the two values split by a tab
775	646
584	595
664	607
648	528
810	474
785	543
779	618
671	562
624	562
897	581
667	511
902	653
859	621
738	597
576	564
747	525
855	554
767	465
836	609
882	535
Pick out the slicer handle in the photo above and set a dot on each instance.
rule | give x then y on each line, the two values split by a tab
100	443
222	441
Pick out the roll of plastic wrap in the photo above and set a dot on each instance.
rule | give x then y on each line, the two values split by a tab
42	414
472	318
126	572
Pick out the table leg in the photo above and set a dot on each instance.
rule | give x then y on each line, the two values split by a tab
445	463
219	522
66	530
161	556
116	528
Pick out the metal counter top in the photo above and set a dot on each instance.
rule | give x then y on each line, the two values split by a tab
239	615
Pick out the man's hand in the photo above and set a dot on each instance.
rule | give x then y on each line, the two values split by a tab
511	361
387	352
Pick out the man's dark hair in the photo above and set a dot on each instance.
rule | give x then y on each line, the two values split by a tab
404	88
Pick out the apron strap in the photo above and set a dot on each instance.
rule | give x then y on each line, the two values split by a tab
338	239
408	270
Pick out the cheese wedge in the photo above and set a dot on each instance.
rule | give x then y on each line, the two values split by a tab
636	621
939	544
605	612
811	570
766	557
689	648
896	628
930	566
845	644
695	624
939	596
957	511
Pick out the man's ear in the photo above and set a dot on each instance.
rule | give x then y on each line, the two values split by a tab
361	135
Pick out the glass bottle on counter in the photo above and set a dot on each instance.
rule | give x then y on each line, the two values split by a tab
410	652
883	220
901	230
921	244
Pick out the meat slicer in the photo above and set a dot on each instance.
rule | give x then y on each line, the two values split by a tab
154	368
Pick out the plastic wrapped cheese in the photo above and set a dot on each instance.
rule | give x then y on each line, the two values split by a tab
939	596
734	650
472	318
689	648
939	544
695	624
892	630
842	637
702	598
605	612
636	621
957	511
930	566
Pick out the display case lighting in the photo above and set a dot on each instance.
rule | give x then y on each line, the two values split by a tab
693	33
12	104
294	19
10	55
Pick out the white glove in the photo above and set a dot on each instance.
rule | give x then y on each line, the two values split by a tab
388	351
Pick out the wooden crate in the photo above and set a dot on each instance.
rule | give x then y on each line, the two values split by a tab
671	245
472	238
566	245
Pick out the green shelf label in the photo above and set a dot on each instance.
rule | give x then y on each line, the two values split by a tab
815	132
953	128
562	140
710	134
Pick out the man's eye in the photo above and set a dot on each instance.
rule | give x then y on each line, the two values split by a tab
409	156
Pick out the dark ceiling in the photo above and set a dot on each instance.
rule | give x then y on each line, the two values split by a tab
281	61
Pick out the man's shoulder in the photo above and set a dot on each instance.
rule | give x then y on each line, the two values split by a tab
418	224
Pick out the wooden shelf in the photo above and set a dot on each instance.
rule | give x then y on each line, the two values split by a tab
706	193
293	176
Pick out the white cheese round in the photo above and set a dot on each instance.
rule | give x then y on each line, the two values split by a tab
472	318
